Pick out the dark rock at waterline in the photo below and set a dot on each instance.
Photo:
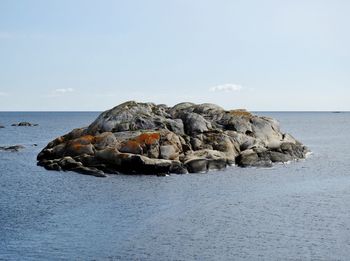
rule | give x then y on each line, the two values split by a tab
144	138
25	124
1	126
13	148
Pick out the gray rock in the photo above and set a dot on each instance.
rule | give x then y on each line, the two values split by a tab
175	126
216	164
105	139
236	121
197	165
196	144
53	166
265	130
25	124
250	158
144	138
89	171
180	108
296	151
68	163
177	168
13	148
168	152
195	123
276	156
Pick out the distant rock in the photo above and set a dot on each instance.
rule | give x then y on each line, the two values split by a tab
13	148
25	124
144	138
1	126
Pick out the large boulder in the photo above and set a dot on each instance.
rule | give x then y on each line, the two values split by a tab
145	138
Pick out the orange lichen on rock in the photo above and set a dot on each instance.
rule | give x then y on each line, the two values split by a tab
148	138
139	144
86	139
81	145
241	113
131	146
76	146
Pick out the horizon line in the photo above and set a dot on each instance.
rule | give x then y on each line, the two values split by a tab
331	111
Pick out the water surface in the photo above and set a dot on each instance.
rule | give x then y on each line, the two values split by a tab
296	211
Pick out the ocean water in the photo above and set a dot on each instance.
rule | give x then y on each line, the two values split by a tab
299	211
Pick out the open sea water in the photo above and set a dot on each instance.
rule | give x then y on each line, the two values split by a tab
298	211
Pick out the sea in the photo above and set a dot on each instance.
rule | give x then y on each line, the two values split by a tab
295	211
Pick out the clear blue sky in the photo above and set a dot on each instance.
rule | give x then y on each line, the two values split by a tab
254	54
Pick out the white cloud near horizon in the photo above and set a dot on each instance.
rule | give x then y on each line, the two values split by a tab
60	92
64	90
228	87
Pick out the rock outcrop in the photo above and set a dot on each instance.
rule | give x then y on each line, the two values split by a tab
25	124
144	138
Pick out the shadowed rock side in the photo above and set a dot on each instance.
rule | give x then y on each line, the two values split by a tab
144	138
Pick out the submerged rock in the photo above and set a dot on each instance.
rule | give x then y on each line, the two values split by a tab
144	138
13	148
25	124
1	126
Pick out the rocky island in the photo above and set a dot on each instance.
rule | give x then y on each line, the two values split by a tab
145	138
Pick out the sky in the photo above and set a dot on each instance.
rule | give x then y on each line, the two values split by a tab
262	55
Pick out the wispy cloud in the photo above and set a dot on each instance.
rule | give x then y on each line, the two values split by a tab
2	94
228	87
60	92
63	90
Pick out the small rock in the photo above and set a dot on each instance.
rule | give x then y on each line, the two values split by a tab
177	168
13	148
168	152
89	171
25	124
250	158
197	165
68	163
216	164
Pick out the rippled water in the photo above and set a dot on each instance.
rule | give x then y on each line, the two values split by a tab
299	211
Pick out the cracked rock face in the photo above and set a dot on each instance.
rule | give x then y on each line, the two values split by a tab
144	138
